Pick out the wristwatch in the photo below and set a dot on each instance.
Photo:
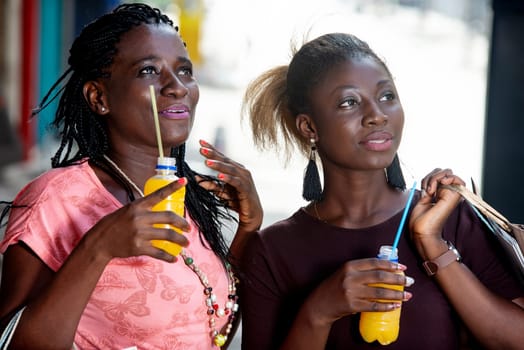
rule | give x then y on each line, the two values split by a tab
432	266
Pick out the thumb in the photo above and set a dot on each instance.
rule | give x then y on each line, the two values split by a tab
155	197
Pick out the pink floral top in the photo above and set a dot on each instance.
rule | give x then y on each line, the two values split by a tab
139	301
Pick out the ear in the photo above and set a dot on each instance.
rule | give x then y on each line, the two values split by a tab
94	93
306	127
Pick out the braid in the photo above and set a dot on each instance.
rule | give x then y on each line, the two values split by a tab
81	130
206	210
90	57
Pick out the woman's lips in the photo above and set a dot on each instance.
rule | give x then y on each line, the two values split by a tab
378	141
175	112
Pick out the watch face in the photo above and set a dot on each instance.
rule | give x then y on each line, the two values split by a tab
459	258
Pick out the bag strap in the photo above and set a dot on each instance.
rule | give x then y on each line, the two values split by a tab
10	329
481	205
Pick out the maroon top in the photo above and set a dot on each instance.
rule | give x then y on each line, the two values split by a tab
288	259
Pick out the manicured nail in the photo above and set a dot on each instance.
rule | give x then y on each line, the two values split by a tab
407	296
401	267
210	161
182	181
204	151
221	176
409	281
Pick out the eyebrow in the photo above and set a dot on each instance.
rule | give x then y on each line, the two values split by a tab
384	82
380	83
156	58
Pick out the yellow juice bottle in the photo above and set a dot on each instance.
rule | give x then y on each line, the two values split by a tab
382	326
165	174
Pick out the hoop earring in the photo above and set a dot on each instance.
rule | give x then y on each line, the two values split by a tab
312	188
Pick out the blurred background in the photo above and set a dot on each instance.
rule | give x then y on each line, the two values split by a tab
457	63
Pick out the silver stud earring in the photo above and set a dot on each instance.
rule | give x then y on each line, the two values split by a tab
103	109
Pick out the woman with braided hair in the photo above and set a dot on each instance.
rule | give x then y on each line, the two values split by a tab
78	258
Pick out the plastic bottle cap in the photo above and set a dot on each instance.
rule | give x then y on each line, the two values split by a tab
386	253
167	163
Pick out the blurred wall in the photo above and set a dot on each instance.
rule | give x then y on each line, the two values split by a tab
3	35
35	36
503	151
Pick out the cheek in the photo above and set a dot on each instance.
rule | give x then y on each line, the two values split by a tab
338	139
395	114
194	94
119	96
399	120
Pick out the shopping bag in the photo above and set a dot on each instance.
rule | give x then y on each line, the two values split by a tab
510	235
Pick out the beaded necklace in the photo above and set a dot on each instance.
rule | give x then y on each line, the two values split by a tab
213	309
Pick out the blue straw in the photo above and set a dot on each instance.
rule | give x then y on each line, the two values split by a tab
404	214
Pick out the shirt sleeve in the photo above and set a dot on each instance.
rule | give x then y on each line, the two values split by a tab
259	291
53	212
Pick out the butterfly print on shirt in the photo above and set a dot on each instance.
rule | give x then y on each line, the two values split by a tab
135	305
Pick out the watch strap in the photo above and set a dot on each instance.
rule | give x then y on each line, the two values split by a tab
451	255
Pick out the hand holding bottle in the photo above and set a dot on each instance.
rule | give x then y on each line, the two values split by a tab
382	326
165	174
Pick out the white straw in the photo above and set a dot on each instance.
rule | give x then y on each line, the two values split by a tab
157	124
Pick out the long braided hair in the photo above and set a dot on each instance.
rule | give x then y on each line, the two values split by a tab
83	133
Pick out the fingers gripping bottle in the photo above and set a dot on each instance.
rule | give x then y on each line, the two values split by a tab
165	174
382	326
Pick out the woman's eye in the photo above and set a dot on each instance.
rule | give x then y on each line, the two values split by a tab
186	71
148	70
350	102
388	96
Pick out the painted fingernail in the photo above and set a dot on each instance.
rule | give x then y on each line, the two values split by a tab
210	162
407	296
401	267
221	176
182	181
204	151
409	281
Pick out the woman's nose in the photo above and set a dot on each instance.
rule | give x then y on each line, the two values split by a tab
174	86
373	114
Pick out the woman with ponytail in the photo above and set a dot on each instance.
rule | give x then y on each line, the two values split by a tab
309	277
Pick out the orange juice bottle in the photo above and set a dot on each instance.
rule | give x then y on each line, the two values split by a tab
382	326
165	174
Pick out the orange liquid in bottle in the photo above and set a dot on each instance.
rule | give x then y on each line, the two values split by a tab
381	326
174	202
